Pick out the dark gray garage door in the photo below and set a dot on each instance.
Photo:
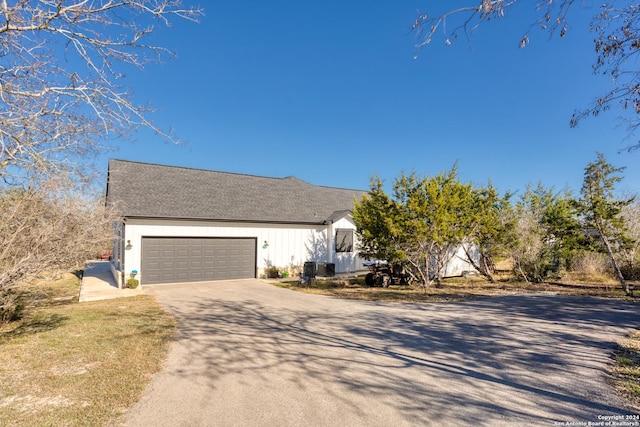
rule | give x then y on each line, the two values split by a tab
171	259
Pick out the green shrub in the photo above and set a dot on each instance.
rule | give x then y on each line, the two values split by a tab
273	272
132	283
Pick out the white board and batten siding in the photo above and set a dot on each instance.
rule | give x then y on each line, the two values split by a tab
346	262
277	245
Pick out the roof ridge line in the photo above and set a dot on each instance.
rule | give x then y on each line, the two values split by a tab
206	170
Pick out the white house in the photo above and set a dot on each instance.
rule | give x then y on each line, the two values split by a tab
188	225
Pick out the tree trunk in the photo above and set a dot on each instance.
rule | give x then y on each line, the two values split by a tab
625	286
482	269
420	277
438	279
519	268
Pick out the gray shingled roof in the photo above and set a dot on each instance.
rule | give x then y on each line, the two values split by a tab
158	191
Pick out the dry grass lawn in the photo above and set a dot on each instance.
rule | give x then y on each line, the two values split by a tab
626	370
453	289
71	364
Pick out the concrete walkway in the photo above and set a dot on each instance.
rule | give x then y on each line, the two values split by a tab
98	283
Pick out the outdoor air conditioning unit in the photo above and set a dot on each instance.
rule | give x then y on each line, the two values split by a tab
326	269
309	269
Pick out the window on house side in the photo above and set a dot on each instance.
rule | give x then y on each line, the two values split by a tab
344	240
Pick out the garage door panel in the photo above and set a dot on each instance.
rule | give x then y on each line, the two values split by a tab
153	278
181	277
168	260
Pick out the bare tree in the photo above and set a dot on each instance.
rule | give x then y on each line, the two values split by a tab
48	227
617	44
630	253
528	253
61	62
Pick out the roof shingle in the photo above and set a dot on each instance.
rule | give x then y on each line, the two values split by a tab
159	191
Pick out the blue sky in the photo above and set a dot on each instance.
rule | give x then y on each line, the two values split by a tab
330	92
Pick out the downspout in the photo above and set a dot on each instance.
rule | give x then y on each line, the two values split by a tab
123	256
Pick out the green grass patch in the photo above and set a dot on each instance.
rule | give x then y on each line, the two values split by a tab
71	364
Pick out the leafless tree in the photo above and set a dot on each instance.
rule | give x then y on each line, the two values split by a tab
630	255
529	251
48	227
617	44
61	62
61	102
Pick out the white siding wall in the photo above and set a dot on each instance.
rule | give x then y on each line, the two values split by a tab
287	245
459	263
346	262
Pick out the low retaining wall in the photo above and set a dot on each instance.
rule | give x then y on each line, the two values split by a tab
117	275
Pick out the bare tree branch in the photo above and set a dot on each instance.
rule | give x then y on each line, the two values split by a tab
52	111
617	45
47	228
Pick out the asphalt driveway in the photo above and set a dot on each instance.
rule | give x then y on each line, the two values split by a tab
251	354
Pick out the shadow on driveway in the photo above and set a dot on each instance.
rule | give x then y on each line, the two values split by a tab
248	353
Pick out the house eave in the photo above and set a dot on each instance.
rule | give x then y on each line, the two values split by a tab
223	220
